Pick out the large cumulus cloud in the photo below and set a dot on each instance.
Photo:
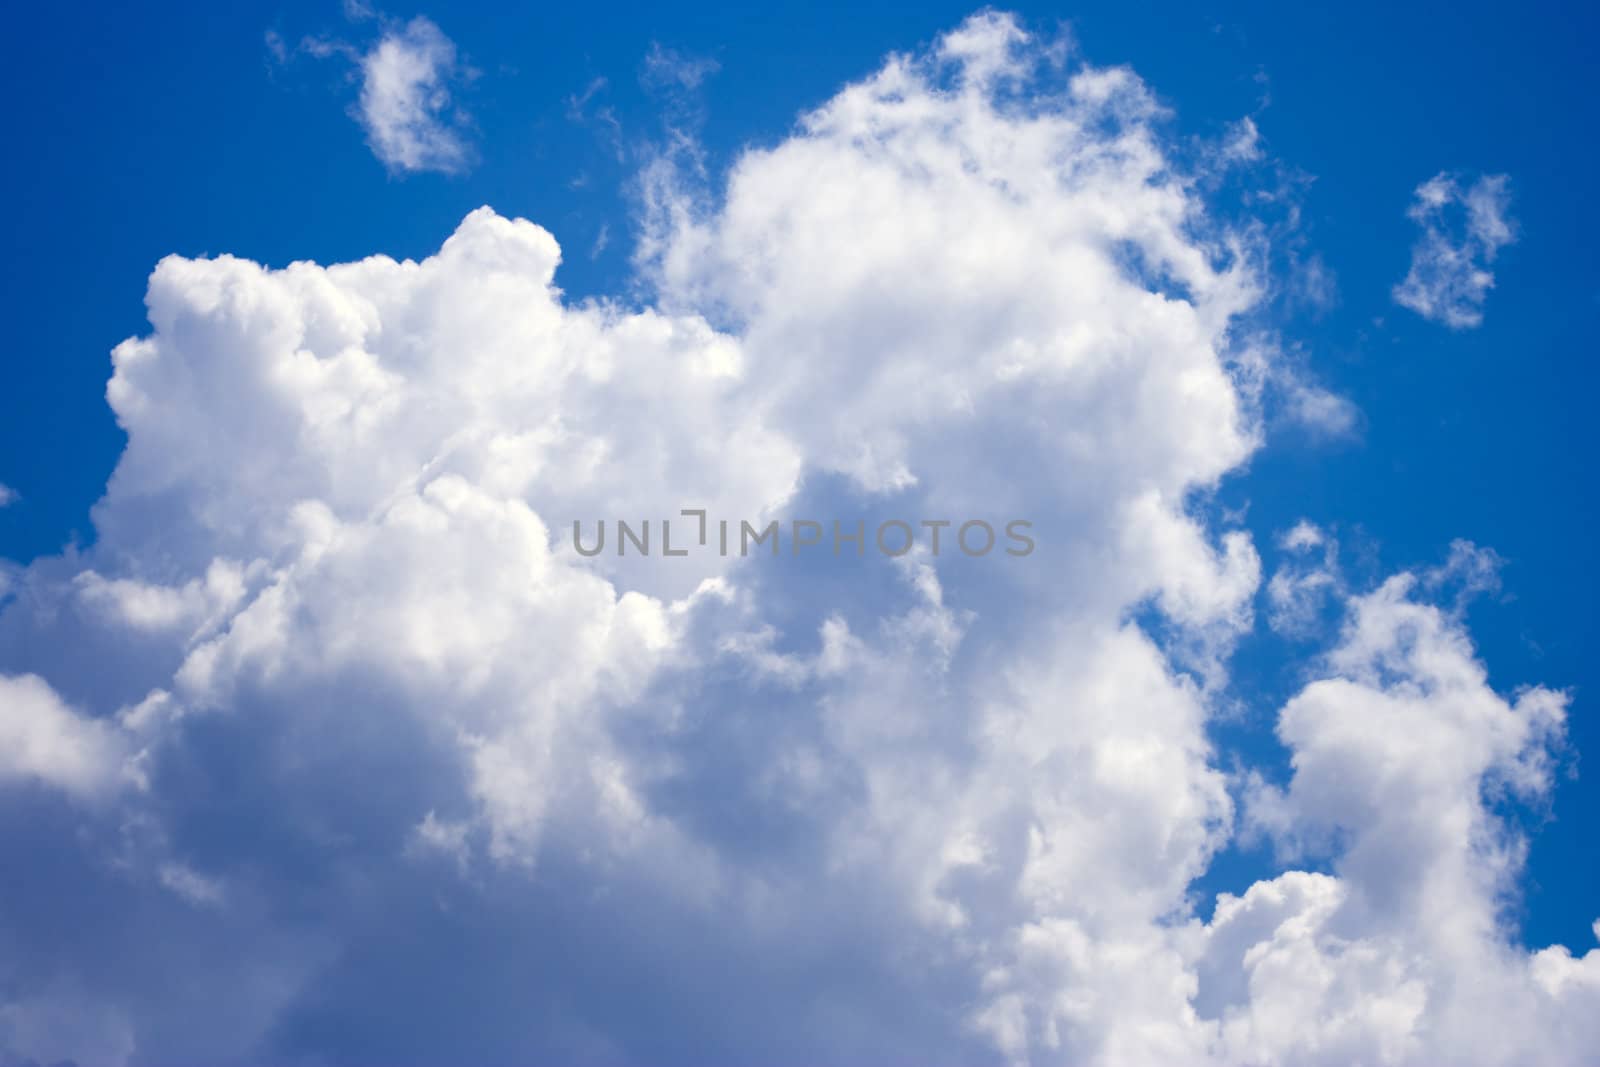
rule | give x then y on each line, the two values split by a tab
347	757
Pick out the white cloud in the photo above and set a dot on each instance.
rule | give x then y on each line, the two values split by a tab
409	77
199	603
45	742
8	495
1402	955
1302	588
1462	231
935	810
1321	411
406	106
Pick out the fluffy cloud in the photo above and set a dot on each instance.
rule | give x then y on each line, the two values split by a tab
405	103
8	495
408	77
1400	756
42	741
412	780
1463	228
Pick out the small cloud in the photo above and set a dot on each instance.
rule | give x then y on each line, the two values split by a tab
408	77
1303	535
437	836
277	48
601	116
406	104
666	68
674	78
1242	142
1303	587
192	886
1468	572
1324	413
1313	285
577	102
1462	231
320	48
8	495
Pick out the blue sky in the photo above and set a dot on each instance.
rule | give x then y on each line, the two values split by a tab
186	131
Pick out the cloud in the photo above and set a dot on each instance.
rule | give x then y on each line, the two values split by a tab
400	750
1399	956
42	741
190	885
667	68
8	496
408	78
1299	593
406	107
1324	413
1463	228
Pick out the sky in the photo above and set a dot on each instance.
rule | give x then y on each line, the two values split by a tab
319	743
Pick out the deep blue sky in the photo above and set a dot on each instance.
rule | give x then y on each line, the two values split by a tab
135	132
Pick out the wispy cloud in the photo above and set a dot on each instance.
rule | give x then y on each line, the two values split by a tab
409	78
668	68
1463	228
